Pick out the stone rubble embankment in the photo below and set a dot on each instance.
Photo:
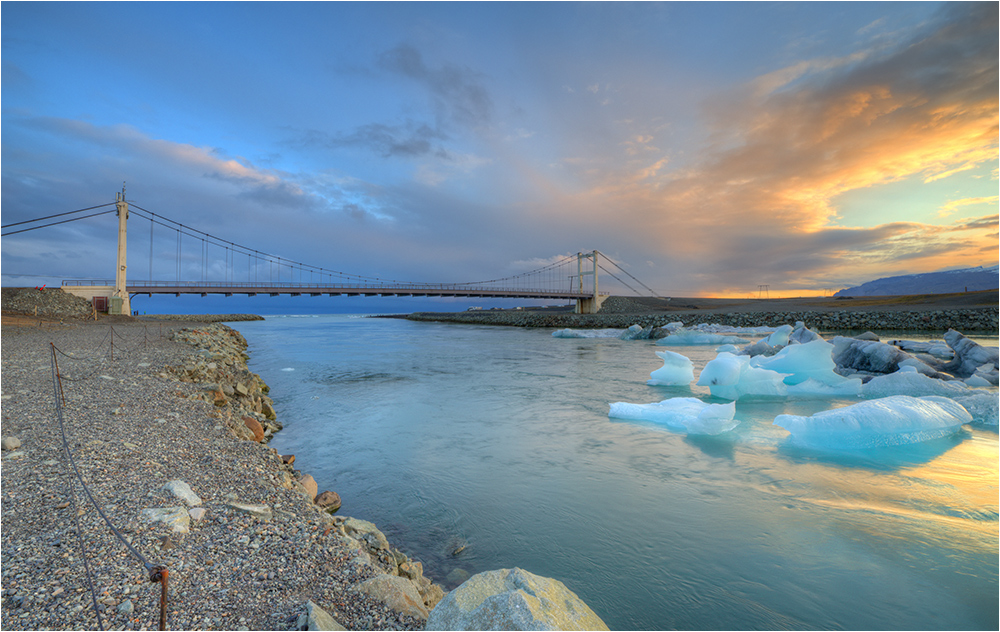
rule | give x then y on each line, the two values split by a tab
47	302
967	320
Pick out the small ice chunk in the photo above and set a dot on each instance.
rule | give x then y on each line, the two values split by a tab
895	420
685	413
802	334
983	406
780	336
587	333
676	370
731	377
636	332
690	338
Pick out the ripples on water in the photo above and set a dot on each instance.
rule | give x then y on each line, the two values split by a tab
498	440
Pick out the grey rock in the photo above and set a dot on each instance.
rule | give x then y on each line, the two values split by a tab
457	576
176	517
396	592
126	607
10	443
262	512
513	599
318	619
309	483
183	491
356	529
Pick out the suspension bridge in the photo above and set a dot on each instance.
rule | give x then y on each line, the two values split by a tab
228	268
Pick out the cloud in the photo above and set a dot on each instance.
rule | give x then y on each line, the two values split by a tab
760	200
458	94
952	206
406	140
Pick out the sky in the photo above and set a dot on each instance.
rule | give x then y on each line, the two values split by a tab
707	148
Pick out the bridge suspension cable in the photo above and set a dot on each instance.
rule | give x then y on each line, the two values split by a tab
614	263
39	219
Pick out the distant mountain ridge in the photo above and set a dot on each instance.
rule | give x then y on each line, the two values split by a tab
966	279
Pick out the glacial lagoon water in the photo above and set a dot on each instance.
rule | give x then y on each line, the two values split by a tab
498	440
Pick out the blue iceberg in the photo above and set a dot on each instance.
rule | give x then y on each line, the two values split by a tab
895	420
689	414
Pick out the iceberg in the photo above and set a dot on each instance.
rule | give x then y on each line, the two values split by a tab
895	420
970	356
873	357
982	404
685	413
935	348
814	389
802	334
908	381
732	377
587	333
692	338
809	361
677	370
779	338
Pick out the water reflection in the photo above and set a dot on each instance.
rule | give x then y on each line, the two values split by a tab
886	458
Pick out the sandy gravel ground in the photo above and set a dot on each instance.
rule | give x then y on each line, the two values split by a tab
130	432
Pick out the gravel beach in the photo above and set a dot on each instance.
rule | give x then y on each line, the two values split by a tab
131	431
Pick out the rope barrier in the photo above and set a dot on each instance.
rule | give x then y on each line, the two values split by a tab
157	572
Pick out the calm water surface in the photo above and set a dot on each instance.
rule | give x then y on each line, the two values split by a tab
498	439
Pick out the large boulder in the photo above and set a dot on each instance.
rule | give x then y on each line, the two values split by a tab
315	618
396	592
512	599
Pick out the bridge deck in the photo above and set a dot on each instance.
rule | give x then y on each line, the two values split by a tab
319	289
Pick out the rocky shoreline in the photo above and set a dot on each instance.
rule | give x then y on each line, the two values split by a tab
966	320
200	318
171	440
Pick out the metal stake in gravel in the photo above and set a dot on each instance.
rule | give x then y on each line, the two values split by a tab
158	572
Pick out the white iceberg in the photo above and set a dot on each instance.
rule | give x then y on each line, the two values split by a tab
809	361
895	420
685	413
982	404
677	370
732	377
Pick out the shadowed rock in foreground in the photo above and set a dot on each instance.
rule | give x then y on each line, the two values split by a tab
513	599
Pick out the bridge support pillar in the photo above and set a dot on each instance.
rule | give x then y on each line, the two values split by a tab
592	304
589	305
120	303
